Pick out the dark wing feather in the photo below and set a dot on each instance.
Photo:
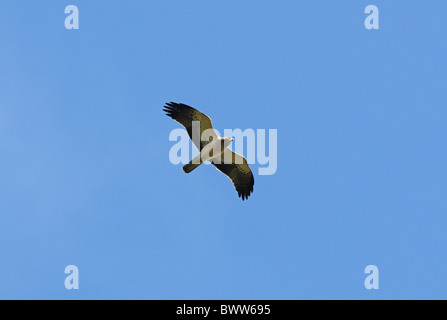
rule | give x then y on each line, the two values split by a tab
236	168
185	115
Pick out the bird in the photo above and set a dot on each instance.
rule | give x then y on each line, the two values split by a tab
215	150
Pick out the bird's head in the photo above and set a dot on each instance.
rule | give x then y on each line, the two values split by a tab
227	141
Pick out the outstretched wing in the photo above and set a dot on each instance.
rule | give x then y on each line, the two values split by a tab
236	168
185	115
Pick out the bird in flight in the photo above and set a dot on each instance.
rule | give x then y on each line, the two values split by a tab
214	149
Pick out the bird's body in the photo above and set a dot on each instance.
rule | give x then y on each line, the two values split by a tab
211	151
212	148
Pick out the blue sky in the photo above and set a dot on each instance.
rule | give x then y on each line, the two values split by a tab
85	177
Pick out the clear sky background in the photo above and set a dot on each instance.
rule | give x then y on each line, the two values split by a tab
85	177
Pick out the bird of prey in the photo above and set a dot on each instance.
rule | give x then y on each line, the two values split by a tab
215	149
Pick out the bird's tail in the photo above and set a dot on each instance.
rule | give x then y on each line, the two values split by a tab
194	163
189	167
